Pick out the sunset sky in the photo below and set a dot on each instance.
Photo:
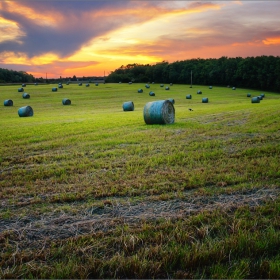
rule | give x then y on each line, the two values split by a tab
86	38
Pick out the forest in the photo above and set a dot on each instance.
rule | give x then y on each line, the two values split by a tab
262	72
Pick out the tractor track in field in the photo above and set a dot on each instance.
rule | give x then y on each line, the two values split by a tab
32	230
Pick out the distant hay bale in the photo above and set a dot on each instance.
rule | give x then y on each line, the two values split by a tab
159	112
210	87
8	102
130	83
35	84
120	82
233	88
161	85
147	86
199	92
171	84
248	94
80	84
26	95
172	100
25	111
128	106
96	84
66	101
255	99
54	89
262	95
204	100
23	85
20	89
188	96
60	86
87	85
166	88
140	90
67	83
151	93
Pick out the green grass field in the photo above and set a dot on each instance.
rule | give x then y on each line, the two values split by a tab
90	191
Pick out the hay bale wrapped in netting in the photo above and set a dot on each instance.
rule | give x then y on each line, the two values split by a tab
199	92
80	84
54	89
166	88
151	93
172	100
20	89
262	95
128	106
26	95
159	112
255	99
25	111
205	100
248	94
23	85
147	86
87	85
188	96
8	102
66	101
233	88
140	90
210	87
161	85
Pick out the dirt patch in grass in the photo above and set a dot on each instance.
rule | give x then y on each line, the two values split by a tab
53	226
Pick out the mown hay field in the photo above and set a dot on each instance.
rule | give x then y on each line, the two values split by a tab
90	191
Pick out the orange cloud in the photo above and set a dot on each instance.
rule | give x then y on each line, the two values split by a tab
272	41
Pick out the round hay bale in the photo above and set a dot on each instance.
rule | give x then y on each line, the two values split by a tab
199	92
248	94
233	88
255	99
20	89
159	112
172	100
54	89
96	84
204	100
35	84
26	95
23	85
262	95
153	82
60	86
25	111
210	87
166	88
80	84
8	102
66	101
147	86
161	85
140	90
171	84
130	83
188	96
120	82
87	85
128	106
67	83
151	93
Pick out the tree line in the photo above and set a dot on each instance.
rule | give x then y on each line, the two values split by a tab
11	76
261	72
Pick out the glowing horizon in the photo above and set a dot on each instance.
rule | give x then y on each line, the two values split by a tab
90	37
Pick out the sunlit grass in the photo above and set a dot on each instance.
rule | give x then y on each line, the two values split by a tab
66	160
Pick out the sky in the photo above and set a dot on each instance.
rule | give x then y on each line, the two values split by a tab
56	38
